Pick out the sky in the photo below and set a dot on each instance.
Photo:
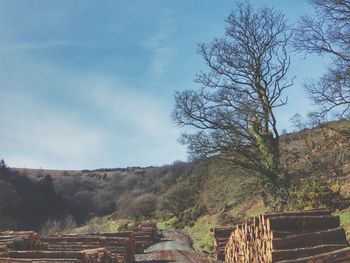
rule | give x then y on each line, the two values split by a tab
86	84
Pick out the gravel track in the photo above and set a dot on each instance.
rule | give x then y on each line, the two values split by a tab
173	247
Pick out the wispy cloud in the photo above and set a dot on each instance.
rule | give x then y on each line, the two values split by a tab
59	111
33	134
140	129
162	51
146	113
130	127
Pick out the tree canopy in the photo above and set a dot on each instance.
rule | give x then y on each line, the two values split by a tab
232	114
327	32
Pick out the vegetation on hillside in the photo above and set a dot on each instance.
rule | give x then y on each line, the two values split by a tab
195	196
131	193
27	203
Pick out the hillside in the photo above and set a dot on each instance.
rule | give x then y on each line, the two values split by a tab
196	195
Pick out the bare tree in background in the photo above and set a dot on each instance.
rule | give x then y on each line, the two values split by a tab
232	115
328	33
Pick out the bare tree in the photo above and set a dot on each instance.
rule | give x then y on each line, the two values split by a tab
328	33
232	115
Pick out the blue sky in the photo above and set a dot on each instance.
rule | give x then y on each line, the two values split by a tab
89	84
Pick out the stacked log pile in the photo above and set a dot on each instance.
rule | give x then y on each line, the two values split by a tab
86	256
288	236
39	260
28	246
341	255
121	245
221	237
20	240
145	235
128	254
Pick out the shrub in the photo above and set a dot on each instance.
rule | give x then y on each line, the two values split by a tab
189	216
143	206
103	202
178	198
170	223
316	194
58	225
98	224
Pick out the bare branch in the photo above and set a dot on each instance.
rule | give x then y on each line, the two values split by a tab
328	33
232	116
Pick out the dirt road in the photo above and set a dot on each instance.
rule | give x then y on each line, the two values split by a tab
174	247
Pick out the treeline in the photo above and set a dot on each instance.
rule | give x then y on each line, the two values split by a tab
28	202
139	193
113	169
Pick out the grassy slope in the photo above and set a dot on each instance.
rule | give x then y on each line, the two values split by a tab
231	196
345	221
226	192
97	224
317	153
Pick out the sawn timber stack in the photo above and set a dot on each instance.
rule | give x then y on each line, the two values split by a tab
28	246
20	240
288	237
221	237
85	256
145	235
120	244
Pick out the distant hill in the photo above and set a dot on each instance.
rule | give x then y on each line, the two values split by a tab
95	172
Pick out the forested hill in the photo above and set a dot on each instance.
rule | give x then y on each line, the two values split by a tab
182	192
44	194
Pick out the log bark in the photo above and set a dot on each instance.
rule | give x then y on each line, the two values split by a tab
341	255
304	252
284	236
39	260
302	223
331	236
